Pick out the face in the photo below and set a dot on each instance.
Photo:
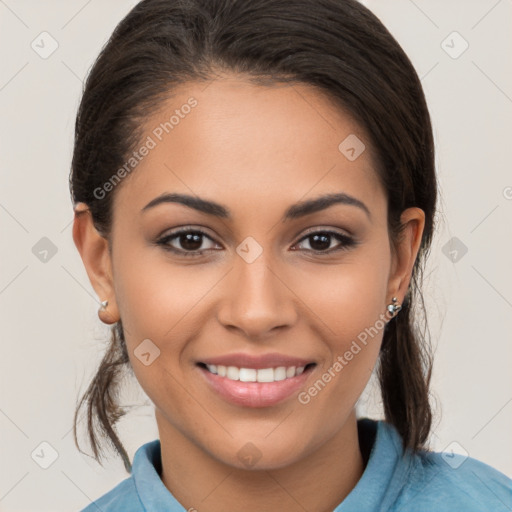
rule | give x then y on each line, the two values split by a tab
267	286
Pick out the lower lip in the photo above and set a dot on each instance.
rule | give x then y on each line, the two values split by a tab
255	394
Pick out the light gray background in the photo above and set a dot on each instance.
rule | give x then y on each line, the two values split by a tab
51	336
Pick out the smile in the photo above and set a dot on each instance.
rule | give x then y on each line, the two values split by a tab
249	381
255	375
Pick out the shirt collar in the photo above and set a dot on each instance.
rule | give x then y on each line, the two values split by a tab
146	469
377	489
384	475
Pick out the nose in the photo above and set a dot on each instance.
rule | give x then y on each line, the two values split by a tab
257	300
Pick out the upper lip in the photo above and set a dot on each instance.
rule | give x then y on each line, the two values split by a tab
272	360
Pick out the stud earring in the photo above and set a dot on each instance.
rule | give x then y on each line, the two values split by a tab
395	307
105	316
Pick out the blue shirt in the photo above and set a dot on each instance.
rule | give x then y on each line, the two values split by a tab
420	482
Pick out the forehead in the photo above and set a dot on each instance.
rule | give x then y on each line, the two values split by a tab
248	143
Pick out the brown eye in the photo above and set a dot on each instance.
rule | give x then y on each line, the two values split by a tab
190	241
320	241
187	242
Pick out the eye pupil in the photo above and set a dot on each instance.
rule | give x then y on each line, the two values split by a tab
320	241
191	241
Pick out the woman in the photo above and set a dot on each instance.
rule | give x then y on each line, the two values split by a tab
255	191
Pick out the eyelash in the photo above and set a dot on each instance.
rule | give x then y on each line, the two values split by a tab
346	242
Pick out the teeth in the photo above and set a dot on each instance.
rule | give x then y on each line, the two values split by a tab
280	373
233	373
266	375
253	375
247	374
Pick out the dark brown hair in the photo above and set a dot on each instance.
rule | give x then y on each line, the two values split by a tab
337	46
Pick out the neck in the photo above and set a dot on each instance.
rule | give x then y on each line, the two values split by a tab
200	482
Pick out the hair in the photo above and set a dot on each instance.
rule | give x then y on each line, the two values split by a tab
337	46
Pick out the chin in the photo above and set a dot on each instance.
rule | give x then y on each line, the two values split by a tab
260	455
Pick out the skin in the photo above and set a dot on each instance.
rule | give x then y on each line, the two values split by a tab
256	150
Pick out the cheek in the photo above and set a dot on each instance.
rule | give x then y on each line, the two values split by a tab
348	298
155	297
160	301
353	322
156	301
349	303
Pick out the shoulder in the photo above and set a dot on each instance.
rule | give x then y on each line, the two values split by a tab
122	497
426	480
448	481
144	478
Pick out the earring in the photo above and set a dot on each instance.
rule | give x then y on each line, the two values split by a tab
105	316
395	307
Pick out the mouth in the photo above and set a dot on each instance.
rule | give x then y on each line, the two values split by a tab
276	374
256	383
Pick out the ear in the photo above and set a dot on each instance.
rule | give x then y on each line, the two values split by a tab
405	252
95	254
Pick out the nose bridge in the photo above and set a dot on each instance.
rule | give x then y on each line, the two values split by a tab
256	281
256	299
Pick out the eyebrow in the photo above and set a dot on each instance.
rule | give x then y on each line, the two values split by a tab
295	211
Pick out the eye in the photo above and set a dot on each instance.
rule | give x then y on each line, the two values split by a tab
187	242
320	241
